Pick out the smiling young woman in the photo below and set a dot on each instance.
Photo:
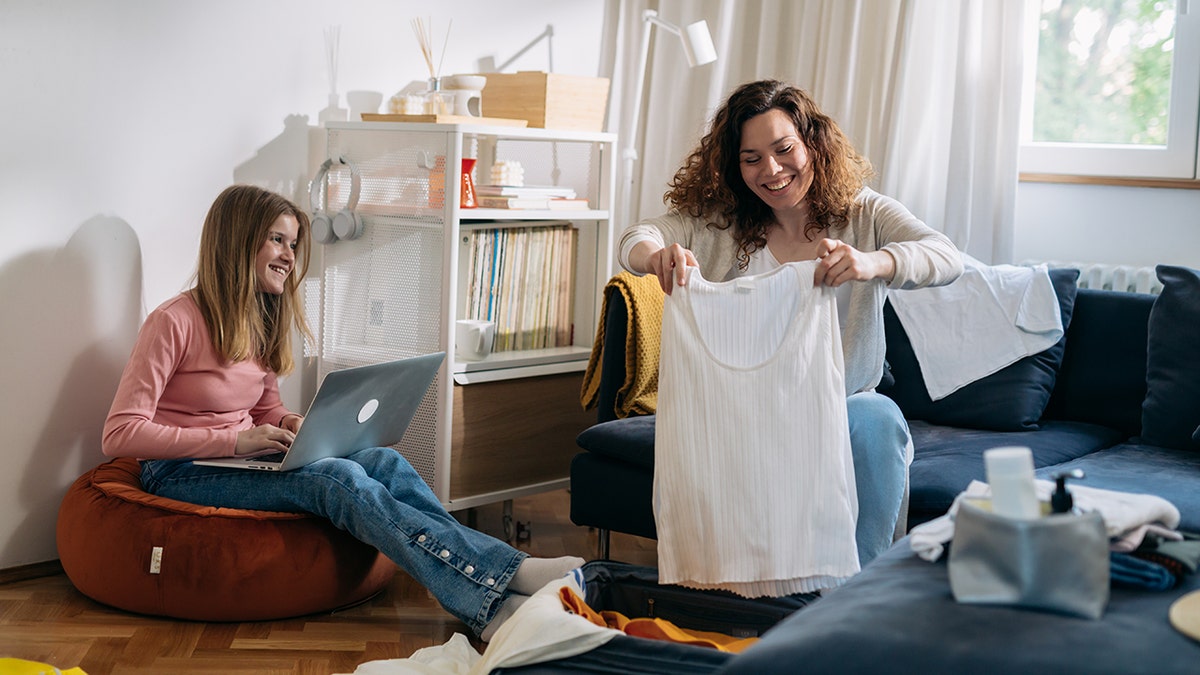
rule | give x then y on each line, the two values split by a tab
203	382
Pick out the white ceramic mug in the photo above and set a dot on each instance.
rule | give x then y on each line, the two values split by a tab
473	339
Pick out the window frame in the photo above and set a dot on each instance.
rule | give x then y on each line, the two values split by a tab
1177	160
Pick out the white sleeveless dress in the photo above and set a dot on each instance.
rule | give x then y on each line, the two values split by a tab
753	481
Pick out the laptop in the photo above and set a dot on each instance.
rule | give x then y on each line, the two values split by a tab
355	408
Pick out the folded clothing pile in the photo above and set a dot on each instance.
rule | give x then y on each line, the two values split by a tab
1146	551
1159	562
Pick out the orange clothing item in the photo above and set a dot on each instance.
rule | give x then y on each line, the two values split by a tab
652	629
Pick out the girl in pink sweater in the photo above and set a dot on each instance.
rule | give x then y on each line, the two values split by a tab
202	382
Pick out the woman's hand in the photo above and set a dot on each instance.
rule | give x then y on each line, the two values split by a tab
839	262
262	439
669	264
292	422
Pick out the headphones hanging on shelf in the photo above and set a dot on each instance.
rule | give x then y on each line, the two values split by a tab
345	224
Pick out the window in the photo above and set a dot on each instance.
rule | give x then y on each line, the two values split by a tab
1112	88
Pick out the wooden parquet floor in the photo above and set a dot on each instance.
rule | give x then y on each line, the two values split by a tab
48	621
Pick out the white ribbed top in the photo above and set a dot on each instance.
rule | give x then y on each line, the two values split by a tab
754	482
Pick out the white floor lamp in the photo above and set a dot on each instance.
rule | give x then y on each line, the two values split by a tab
698	47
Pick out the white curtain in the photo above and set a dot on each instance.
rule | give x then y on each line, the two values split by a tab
928	90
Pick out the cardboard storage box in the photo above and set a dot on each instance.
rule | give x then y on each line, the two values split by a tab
547	100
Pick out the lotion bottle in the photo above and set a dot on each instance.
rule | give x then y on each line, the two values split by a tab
1010	476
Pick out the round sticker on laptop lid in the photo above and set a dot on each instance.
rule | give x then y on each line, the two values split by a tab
368	410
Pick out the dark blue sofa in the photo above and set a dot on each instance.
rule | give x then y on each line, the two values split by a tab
1118	397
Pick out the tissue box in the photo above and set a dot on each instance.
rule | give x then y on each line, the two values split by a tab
547	100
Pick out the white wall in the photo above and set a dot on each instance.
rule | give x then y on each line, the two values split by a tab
1104	224
122	120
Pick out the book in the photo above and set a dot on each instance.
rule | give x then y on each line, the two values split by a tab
543	191
522	278
563	204
531	203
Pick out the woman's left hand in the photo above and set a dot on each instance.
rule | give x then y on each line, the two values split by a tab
839	262
291	422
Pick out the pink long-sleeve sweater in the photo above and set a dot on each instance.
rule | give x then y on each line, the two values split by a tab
179	399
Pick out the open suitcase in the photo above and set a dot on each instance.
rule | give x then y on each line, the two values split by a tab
634	591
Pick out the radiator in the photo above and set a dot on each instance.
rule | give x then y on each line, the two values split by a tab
1110	277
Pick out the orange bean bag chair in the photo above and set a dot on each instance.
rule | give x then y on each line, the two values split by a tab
127	548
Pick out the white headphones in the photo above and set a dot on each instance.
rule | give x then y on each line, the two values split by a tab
345	224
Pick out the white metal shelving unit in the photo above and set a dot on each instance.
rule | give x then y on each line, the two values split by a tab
398	289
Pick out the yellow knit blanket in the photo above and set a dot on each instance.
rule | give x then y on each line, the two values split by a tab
638	394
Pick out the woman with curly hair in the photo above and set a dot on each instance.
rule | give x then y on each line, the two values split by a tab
775	181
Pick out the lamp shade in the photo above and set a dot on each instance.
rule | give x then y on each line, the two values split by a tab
698	44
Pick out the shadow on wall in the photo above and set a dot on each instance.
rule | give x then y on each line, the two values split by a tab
286	165
287	162
80	310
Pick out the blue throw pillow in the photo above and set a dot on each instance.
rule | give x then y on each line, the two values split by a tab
1171	409
1011	399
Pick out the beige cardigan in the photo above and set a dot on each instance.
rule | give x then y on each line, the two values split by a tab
924	257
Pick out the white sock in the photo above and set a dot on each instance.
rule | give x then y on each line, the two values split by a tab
533	573
505	612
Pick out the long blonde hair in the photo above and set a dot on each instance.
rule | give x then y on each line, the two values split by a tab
243	322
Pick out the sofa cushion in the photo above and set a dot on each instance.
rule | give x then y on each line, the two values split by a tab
1171	409
630	440
1011	399
947	459
1102	379
1135	467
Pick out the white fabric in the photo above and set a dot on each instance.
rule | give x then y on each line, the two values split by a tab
540	630
989	318
913	83
456	657
1123	514
953	129
763	261
753	477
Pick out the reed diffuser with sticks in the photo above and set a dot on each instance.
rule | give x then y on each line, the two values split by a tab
436	101
332	111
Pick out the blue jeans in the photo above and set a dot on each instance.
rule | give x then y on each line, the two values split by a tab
878	441
377	496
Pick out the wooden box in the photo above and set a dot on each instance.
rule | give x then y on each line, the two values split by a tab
547	100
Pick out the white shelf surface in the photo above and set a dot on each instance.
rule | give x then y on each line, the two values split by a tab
499	132
522	363
531	214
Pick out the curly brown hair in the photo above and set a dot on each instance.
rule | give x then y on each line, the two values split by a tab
709	185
